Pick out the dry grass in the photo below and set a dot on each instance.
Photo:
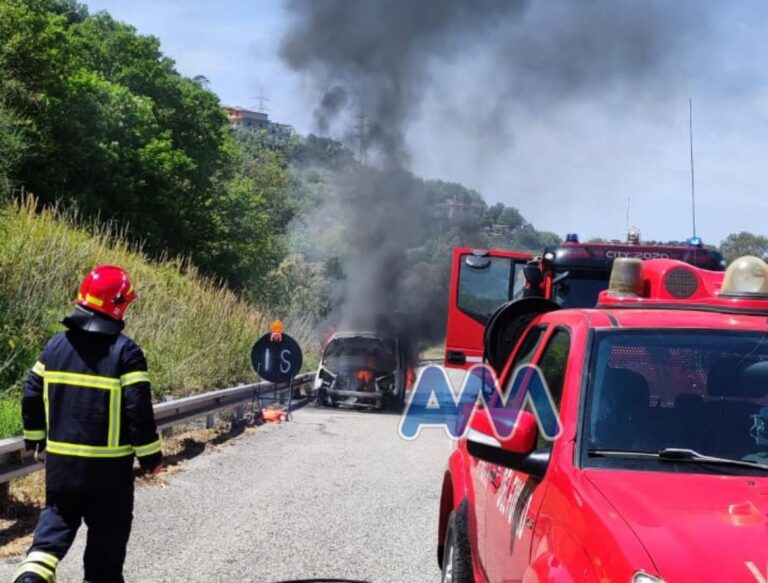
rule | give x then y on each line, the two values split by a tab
197	334
18	520
433	352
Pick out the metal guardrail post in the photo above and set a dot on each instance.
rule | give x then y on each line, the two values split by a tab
5	494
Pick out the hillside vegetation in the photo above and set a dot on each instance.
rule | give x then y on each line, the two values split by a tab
197	334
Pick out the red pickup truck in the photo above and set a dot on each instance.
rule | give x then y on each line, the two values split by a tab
660	472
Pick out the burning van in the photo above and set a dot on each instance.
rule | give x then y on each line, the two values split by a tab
362	369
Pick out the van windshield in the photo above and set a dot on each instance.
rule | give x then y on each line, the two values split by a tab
343	355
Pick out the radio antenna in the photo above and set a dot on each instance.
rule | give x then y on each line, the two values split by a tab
629	202
693	182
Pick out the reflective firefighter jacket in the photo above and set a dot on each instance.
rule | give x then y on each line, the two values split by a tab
89	398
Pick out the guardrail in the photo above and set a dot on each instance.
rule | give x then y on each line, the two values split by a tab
15	461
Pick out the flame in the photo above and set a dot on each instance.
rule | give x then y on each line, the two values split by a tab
364	376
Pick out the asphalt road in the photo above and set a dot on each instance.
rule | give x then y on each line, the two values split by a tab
333	494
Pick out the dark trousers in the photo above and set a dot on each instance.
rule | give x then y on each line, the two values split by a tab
108	517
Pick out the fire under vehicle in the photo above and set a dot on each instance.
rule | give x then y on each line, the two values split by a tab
362	369
568	275
659	472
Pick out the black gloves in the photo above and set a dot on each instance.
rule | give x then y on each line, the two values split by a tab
151	463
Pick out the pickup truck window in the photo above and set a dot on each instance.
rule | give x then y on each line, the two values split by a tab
523	356
553	362
528	347
655	390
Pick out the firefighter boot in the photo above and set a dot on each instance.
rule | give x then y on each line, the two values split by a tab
38	567
29	578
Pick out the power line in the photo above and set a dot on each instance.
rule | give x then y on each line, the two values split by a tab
362	129
262	101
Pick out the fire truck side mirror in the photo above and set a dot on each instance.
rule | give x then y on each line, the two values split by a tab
533	281
477	261
533	274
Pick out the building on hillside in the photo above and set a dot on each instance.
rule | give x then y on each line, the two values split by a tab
499	229
247	119
456	208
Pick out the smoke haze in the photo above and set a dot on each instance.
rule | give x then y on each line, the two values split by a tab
377	60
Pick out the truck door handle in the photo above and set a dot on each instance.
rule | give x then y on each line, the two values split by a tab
456	357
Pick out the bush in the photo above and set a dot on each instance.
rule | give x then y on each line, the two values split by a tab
197	335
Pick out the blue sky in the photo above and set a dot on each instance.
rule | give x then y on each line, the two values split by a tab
571	168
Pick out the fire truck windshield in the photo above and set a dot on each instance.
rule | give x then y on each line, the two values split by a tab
579	288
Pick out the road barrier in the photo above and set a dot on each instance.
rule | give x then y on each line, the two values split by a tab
15	461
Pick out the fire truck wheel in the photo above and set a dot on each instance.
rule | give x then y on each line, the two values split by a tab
457	561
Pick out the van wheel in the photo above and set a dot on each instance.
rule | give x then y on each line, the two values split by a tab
394	403
457	560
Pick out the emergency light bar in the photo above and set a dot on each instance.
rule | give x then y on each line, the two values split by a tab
672	284
746	277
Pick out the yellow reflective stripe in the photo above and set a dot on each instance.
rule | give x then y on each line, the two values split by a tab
131	378
93	451
34	434
115	403
93	300
45	558
82	380
145	450
44	572
45	403
39	369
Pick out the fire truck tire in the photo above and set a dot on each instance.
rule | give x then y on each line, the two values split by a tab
457	560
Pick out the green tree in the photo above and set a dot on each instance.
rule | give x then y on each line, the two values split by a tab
511	218
11	147
113	128
251	219
743	243
296	288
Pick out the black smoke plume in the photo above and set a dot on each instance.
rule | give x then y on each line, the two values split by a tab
382	57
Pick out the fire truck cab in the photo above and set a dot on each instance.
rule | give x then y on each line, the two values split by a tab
659	473
570	275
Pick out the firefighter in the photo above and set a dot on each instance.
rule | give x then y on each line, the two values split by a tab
87	409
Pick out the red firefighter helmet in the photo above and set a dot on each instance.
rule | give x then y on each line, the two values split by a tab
107	289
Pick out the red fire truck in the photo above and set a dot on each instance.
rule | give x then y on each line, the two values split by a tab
660	471
569	275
